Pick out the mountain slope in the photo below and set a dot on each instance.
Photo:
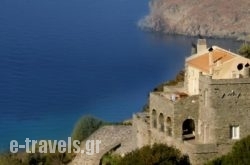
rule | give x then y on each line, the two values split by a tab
218	18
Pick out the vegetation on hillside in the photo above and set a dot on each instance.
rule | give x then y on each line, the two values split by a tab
244	50
37	158
85	127
159	154
239	155
178	78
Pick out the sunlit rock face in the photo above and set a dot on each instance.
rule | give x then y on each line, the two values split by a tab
224	18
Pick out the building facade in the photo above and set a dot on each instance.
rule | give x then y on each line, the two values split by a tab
207	113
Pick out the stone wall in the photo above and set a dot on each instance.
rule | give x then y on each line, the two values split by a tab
175	112
220	105
198	153
164	113
207	114
192	80
118	137
228	104
141	125
186	108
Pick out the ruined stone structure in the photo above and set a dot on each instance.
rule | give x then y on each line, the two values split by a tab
202	116
118	138
209	112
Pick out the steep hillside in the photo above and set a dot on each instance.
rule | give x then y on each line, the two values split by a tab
220	18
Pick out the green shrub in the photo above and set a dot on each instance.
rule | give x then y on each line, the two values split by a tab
158	154
37	158
244	50
239	155
178	78
85	127
111	159
9	159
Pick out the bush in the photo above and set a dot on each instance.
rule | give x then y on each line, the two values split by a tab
159	154
37	158
245	50
8	158
239	155
111	159
178	78
85	127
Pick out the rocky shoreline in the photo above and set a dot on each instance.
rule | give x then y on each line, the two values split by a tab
222	19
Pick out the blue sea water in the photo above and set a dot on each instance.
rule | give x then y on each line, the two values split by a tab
62	59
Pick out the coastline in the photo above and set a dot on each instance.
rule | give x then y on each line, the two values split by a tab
176	33
207	19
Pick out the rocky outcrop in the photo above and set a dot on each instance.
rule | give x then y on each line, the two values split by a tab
223	18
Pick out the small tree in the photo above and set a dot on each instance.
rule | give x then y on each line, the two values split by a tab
9	158
85	127
159	154
240	154
244	50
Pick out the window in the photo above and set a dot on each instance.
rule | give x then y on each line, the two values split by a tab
235	132
169	126
161	122
154	118
240	66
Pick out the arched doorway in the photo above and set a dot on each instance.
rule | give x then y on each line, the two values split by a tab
149	136
188	129
154	118
161	122
169	126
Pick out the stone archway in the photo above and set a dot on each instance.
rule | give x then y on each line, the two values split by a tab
149	137
161	122
188	129
169	126
154	118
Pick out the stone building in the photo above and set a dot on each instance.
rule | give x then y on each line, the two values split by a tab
207	113
202	116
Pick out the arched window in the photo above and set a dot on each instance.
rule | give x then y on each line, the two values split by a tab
188	128
161	122
154	118
149	135
169	126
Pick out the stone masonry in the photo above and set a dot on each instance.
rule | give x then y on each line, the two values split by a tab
121	138
203	123
203	117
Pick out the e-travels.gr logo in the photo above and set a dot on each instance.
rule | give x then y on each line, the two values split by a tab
53	146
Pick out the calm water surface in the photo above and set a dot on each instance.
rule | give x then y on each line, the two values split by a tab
61	59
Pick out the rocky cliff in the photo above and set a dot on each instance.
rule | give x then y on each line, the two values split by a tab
215	18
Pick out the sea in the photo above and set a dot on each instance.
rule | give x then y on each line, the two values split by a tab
62	59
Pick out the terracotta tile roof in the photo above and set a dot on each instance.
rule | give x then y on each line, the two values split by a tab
201	62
